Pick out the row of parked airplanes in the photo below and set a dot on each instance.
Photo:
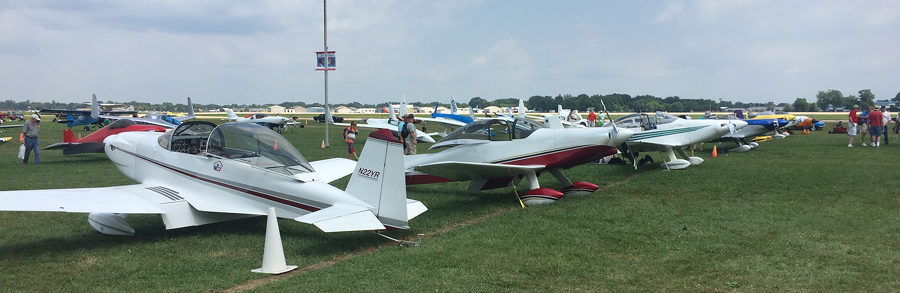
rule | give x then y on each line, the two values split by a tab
196	172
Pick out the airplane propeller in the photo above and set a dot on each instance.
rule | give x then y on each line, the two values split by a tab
616	131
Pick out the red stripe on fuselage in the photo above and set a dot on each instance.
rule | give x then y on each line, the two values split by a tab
562	159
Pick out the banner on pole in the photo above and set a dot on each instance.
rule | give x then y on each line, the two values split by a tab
320	60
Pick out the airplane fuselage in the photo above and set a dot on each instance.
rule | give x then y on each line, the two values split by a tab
554	148
214	180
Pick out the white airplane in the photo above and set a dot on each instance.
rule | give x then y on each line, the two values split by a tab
570	118
201	173
492	153
272	122
156	119
666	133
392	124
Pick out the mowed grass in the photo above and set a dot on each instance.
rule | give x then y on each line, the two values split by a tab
804	213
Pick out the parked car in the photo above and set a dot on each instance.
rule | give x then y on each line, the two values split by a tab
321	118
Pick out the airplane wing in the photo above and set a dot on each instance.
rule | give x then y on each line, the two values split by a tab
131	199
11	126
156	122
461	171
334	169
446	123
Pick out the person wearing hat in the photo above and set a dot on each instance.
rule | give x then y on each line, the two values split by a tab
30	139
851	127
409	135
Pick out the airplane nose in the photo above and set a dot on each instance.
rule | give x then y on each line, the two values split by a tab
622	136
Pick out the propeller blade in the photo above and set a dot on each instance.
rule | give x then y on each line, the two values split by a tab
615	129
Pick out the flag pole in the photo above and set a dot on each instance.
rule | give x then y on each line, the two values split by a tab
327	110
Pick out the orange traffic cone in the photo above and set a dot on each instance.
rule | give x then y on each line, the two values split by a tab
323	144
305	122
715	154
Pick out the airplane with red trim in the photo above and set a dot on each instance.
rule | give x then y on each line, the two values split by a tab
201	173
493	153
93	143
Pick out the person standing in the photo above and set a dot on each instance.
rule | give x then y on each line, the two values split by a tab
852	129
875	127
884	122
862	122
409	135
30	132
592	119
350	137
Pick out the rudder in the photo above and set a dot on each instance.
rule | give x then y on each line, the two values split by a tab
379	179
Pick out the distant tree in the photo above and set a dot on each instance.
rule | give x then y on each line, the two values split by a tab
801	105
866	98
788	108
479	102
770	105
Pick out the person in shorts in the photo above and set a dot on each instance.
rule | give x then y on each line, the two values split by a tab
852	129
875	126
350	138
862	122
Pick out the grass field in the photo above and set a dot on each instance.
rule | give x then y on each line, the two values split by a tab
804	213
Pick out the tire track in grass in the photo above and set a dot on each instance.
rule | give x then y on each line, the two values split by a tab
334	260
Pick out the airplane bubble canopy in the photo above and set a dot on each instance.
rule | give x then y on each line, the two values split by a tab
256	145
489	130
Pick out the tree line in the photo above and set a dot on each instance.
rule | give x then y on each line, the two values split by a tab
825	101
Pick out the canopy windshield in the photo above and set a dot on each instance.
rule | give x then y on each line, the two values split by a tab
258	146
121	123
639	119
494	129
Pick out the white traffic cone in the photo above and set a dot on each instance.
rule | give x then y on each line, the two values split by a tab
273	255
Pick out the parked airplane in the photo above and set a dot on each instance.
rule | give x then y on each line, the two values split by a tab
272	122
157	119
201	173
664	132
754	128
87	118
492	153
93	143
392	124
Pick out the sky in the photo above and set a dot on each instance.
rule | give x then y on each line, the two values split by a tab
263	52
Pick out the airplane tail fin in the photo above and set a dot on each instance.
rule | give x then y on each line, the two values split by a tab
521	109
69	136
453	109
436	105
379	180
403	108
231	115
95	108
471	112
190	109
739	114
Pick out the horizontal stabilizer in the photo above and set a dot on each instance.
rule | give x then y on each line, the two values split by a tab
341	218
462	171
414	208
82	148
334	169
59	146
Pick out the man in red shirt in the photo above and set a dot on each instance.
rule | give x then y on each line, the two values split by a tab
875	126
592	119
851	127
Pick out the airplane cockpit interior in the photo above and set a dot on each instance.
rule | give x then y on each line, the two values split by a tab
189	137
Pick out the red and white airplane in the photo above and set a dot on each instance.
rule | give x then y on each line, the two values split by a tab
492	153
93	143
201	173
